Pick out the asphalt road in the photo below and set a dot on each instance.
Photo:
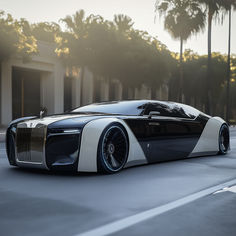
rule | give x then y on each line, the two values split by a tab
43	203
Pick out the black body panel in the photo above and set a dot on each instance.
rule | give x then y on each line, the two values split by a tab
166	139
62	149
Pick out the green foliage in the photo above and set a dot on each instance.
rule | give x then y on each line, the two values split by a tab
182	17
113	50
15	38
195	72
45	31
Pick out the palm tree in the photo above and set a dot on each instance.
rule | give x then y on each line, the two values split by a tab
75	41
45	31
123	24
228	7
213	7
182	19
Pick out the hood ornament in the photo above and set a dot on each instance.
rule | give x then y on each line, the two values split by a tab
41	114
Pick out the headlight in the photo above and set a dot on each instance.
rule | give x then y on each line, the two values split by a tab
72	131
64	131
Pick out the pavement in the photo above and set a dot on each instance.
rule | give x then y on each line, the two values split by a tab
2	134
180	197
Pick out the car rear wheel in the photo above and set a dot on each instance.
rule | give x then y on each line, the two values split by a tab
224	139
113	149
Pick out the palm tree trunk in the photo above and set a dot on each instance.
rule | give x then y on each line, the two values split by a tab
82	85
181	71
124	92
96	87
153	92
228	73
111	89
209	59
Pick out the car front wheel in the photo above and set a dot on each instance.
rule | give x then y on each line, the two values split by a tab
113	149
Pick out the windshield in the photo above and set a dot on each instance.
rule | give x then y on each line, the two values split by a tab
123	108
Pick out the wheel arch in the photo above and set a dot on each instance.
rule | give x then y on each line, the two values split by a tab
91	134
220	152
208	143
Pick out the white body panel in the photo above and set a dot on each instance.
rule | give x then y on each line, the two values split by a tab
208	142
89	145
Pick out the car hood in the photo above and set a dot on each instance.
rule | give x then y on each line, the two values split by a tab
61	119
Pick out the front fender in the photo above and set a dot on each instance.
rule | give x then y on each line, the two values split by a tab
89	145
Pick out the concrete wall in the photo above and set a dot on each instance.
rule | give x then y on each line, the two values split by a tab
52	74
6	92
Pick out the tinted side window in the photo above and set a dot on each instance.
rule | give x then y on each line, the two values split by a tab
162	109
172	110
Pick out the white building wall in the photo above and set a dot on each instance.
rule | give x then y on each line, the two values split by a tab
58	87
52	74
88	87
6	92
118	92
75	93
104	90
46	91
142	93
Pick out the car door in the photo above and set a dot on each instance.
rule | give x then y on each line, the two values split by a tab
170	133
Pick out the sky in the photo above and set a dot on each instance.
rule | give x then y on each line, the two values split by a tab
141	12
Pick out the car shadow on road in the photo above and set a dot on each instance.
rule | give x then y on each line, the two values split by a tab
33	171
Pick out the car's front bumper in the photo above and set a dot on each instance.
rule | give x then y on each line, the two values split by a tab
43	148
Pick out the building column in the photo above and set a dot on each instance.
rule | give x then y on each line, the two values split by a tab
145	92
136	93
131	93
6	93
76	87
104	91
46	91
118	91
88	86
59	74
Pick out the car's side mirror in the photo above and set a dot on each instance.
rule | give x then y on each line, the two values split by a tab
153	113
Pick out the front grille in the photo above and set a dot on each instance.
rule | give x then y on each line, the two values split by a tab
30	144
23	144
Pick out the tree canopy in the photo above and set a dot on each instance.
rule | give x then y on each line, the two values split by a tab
15	37
115	50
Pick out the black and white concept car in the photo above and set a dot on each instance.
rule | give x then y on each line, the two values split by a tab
107	137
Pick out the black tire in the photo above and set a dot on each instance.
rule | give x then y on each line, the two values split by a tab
113	149
10	143
224	139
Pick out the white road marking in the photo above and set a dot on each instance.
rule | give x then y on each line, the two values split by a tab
119	225
227	189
